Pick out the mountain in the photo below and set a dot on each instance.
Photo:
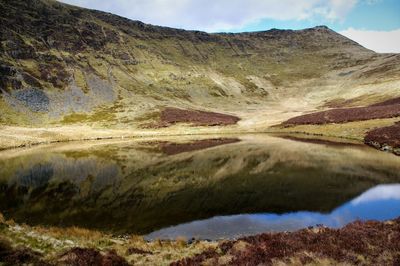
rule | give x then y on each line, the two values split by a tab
64	65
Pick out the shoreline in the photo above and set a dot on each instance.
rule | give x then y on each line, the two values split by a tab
27	138
38	245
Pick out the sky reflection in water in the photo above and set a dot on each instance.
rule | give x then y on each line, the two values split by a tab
379	203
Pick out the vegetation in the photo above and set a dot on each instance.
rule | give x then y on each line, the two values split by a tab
116	73
369	243
68	73
21	244
358	243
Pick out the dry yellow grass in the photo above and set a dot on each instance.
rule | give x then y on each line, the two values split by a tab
14	137
352	130
70	232
53	241
2	219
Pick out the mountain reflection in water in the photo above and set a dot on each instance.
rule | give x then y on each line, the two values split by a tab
379	203
142	186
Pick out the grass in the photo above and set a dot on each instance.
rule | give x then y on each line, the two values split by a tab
80	80
101	114
352	130
31	66
75	118
151	116
51	242
2	219
11	117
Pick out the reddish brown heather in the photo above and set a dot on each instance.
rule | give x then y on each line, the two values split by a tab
384	136
10	255
344	115
198	118
88	256
361	243
388	102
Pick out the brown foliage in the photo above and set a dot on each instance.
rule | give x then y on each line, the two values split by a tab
344	115
384	136
87	256
388	102
170	116
18	256
133	250
371	242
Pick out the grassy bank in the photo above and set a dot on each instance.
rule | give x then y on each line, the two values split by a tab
17	137
352	130
364	243
21	244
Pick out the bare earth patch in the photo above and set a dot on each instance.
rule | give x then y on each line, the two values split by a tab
359	243
170	116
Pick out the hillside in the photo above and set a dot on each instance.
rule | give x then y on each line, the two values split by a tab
62	65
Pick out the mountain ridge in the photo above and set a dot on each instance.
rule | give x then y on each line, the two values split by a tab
64	65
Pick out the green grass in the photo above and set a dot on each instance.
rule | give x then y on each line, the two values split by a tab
100	115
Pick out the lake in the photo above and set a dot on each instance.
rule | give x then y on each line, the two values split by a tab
205	187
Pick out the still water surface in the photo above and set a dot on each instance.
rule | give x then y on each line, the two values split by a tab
210	188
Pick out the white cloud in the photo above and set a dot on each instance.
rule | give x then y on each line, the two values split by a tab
212	15
381	192
378	41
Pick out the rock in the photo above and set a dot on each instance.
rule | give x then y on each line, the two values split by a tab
34	99
69	242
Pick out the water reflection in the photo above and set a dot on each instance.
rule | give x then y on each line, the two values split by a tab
379	203
144	186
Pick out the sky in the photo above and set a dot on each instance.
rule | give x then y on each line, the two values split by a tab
375	24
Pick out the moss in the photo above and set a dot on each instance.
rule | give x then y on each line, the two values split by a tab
101	114
9	116
74	118
80	80
216	91
31	66
150	116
